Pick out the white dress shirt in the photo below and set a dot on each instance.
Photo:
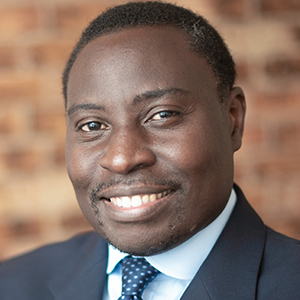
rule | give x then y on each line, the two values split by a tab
178	266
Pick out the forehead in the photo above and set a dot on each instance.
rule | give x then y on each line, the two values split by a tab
135	59
146	37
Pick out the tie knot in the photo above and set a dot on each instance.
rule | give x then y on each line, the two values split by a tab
137	273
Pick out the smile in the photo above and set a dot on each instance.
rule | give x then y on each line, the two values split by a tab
137	200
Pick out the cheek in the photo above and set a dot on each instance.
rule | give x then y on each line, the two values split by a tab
79	167
191	150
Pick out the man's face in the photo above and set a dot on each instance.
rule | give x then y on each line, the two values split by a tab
149	144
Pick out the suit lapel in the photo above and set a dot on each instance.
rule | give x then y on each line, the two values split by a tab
84	276
196	291
231	269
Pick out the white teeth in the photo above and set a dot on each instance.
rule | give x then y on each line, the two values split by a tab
126	201
145	199
119	201
153	197
137	200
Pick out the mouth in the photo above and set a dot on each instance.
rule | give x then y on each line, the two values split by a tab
137	200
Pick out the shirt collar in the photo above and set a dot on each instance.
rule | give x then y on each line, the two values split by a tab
190	255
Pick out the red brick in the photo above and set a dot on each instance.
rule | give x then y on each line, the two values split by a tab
18	87
296	33
13	121
252	136
283	67
281	166
77	222
24	228
280	5
26	160
289	133
231	8
242	70
50	122
78	16
4	232
18	20
51	52
265	166
288	227
274	104
7	58
59	156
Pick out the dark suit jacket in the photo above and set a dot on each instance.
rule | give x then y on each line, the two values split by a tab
249	261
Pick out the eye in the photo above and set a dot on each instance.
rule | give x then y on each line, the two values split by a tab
164	115
93	126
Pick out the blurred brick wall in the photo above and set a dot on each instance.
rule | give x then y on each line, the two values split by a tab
37	203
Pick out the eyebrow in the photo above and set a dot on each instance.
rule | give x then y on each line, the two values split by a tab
156	94
88	106
148	95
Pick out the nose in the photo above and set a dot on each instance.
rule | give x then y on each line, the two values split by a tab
127	150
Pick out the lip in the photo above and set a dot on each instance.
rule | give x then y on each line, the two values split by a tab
129	191
131	214
138	199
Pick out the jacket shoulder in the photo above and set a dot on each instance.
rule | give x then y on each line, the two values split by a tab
280	268
29	273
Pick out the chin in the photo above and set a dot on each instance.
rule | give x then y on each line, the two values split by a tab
143	247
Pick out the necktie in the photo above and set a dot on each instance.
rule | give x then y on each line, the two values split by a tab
137	273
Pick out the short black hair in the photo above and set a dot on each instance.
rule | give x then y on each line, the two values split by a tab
202	38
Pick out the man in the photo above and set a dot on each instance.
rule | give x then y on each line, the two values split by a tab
153	121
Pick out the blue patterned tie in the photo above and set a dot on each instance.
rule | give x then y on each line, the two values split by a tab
137	273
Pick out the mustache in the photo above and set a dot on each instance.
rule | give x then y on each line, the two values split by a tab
94	192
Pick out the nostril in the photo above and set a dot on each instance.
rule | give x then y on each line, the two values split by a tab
140	166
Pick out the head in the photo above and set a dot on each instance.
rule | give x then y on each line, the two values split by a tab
200	36
153	121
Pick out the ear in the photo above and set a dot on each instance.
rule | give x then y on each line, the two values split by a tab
236	109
